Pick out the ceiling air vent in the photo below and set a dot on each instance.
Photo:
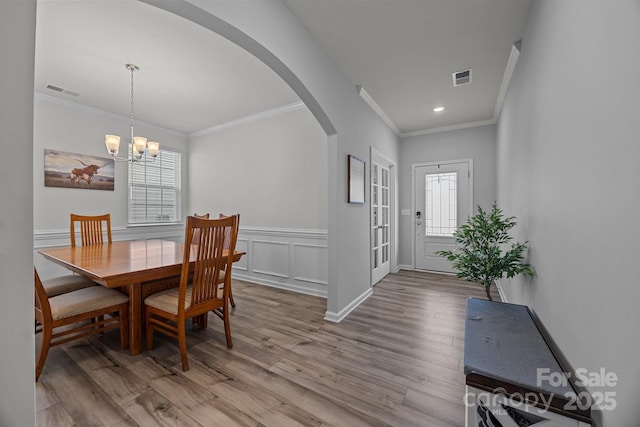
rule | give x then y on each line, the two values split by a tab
462	77
62	90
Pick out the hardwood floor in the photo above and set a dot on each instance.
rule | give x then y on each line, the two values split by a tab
396	360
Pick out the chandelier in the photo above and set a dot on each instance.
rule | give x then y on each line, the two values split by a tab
139	144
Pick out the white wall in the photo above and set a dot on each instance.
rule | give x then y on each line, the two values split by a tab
477	143
270	32
73	128
272	171
568	150
17	367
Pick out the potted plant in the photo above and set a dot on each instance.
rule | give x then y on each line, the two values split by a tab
479	256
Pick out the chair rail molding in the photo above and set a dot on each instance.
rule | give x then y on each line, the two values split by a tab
290	259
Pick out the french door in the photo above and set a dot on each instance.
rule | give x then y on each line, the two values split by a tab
380	222
442	203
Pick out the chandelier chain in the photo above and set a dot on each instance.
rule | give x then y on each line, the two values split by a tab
132	68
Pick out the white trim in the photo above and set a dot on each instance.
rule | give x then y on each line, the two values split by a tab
100	113
316	292
503	297
492	121
404	267
338	317
506	78
379	111
385	118
250	118
285	232
284	275
302	280
57	237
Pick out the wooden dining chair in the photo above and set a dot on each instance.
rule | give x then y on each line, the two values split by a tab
72	315
61	285
233	304
91	229
167	311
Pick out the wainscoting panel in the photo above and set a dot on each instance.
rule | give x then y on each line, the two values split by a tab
310	263
292	259
270	258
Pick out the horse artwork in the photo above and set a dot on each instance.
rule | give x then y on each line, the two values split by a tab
71	170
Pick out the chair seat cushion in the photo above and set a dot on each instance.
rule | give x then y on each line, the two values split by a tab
85	300
168	300
63	284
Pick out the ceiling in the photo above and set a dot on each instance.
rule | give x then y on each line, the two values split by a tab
401	52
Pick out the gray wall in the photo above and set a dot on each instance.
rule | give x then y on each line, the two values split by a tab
272	171
73	128
17	41
478	143
568	150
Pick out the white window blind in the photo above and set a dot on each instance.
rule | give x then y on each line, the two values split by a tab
154	189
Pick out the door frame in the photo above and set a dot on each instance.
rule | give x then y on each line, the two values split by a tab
378	157
414	166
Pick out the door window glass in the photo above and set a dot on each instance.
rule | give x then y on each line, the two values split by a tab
441	206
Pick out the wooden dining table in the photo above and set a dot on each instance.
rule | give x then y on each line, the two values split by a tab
138	267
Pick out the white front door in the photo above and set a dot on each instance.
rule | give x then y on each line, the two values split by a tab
380	222
442	203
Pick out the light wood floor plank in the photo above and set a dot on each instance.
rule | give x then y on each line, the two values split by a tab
396	360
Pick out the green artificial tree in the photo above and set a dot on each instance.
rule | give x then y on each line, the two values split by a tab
479	255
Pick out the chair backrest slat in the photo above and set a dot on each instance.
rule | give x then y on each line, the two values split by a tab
91	229
213	242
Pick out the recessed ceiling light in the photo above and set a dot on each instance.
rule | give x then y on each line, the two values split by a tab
438	109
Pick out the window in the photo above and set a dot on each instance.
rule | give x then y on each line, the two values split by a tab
154	189
441	206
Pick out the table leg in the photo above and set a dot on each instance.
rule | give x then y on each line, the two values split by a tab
135	318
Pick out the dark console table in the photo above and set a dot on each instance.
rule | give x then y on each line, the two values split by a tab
513	378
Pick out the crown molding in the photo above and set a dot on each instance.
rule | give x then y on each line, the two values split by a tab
250	118
100	113
492	121
506	78
379	111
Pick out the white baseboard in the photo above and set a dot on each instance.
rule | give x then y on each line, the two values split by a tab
404	267
337	317
503	297
280	285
